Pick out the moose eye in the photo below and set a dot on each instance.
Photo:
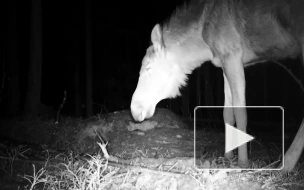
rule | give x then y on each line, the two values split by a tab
148	67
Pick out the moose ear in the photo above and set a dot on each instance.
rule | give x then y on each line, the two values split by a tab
156	37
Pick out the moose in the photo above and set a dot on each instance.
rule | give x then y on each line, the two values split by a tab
232	34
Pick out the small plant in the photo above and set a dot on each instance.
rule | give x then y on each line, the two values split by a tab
38	177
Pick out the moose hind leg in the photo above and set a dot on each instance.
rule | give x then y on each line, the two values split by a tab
296	148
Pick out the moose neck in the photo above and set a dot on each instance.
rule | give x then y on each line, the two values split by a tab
182	35
190	52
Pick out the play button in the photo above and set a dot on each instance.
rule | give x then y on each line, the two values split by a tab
235	138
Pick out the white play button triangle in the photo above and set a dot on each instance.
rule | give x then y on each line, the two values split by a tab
235	138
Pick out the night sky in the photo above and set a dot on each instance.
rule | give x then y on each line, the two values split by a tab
120	36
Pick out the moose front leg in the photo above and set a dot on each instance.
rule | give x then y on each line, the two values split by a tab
228	111
234	79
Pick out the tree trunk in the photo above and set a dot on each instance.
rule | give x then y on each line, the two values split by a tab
208	86
89	73
77	98
13	64
219	92
209	97
32	103
266	85
198	92
198	87
74	57
185	102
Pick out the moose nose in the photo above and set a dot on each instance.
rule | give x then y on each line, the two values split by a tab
137	111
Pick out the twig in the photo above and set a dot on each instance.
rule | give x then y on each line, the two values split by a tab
101	137
60	107
104	150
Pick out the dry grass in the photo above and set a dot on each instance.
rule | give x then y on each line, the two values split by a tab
95	173
71	170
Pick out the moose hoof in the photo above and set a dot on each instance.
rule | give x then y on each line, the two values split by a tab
243	164
229	155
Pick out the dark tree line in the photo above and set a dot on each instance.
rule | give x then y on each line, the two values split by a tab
11	95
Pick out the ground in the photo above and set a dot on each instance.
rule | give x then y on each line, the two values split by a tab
155	154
